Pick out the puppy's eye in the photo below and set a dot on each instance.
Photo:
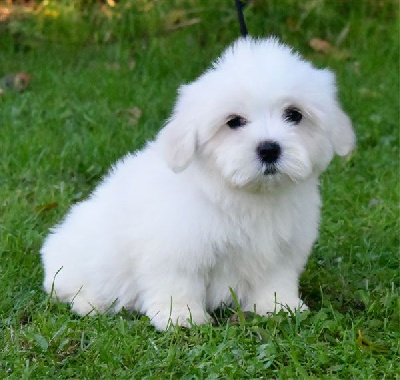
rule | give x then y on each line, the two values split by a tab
236	121
293	115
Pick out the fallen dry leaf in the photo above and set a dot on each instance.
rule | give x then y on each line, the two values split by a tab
174	17
4	13
18	81
47	207
177	19
133	114
320	45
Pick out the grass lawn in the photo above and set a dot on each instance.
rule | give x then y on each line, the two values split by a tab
101	86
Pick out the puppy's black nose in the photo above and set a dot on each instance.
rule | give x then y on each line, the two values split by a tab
269	152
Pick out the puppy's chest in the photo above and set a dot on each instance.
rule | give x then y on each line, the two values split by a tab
263	234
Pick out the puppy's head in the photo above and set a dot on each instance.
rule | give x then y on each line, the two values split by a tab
259	115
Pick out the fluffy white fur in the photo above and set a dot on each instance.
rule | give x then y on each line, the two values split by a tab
175	225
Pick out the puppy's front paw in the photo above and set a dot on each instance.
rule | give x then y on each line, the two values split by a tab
276	305
183	316
292	306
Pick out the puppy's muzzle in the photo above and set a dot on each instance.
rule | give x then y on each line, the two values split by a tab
269	153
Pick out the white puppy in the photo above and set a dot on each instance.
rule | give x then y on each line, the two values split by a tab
225	197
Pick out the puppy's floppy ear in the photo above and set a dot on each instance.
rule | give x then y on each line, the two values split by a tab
178	138
333	117
342	134
178	142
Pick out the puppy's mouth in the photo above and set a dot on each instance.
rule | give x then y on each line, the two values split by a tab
270	170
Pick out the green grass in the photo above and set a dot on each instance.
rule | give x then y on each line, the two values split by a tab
58	138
